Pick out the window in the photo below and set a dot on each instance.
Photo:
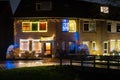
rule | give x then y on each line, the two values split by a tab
43	26
113	26
36	46
34	26
68	25
89	26
118	27
112	45
109	27
24	44
93	45
86	43
104	9
26	26
118	45
105	47
72	26
44	6
47	48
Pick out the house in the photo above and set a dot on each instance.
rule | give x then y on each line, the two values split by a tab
6	25
41	27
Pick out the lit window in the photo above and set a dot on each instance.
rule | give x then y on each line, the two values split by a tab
105	47
89	26
36	46
34	26
68	25
24	44
104	9
72	26
118	44
112	45
26	26
93	45
43	26
47	48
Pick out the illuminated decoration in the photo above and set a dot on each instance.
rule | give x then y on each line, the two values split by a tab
47	38
72	26
9	65
26	26
68	25
34	26
104	9
65	25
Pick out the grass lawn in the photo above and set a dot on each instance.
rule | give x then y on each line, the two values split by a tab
56	73
38	73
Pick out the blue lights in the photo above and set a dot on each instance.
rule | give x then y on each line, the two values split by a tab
9	65
65	25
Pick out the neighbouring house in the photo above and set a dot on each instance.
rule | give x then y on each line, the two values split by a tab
41	27
6	25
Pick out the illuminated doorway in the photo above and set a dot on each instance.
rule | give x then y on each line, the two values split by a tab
47	49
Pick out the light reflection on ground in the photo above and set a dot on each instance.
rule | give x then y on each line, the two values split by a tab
10	64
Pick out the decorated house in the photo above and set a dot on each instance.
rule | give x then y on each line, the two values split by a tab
41	27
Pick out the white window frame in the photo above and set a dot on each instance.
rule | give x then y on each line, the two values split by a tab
40	46
118	45
21	44
104	49
89	22
38	22
112	45
93	45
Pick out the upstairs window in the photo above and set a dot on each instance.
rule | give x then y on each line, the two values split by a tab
89	26
113	27
68	25
104	9
26	26
118	27
109	27
44	6
34	26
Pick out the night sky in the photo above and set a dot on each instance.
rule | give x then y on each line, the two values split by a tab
15	3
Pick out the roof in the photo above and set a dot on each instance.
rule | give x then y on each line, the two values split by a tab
66	8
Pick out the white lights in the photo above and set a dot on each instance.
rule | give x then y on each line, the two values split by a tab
104	9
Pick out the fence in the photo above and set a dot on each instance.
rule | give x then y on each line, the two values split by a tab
93	59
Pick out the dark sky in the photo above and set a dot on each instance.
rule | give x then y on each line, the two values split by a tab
15	3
